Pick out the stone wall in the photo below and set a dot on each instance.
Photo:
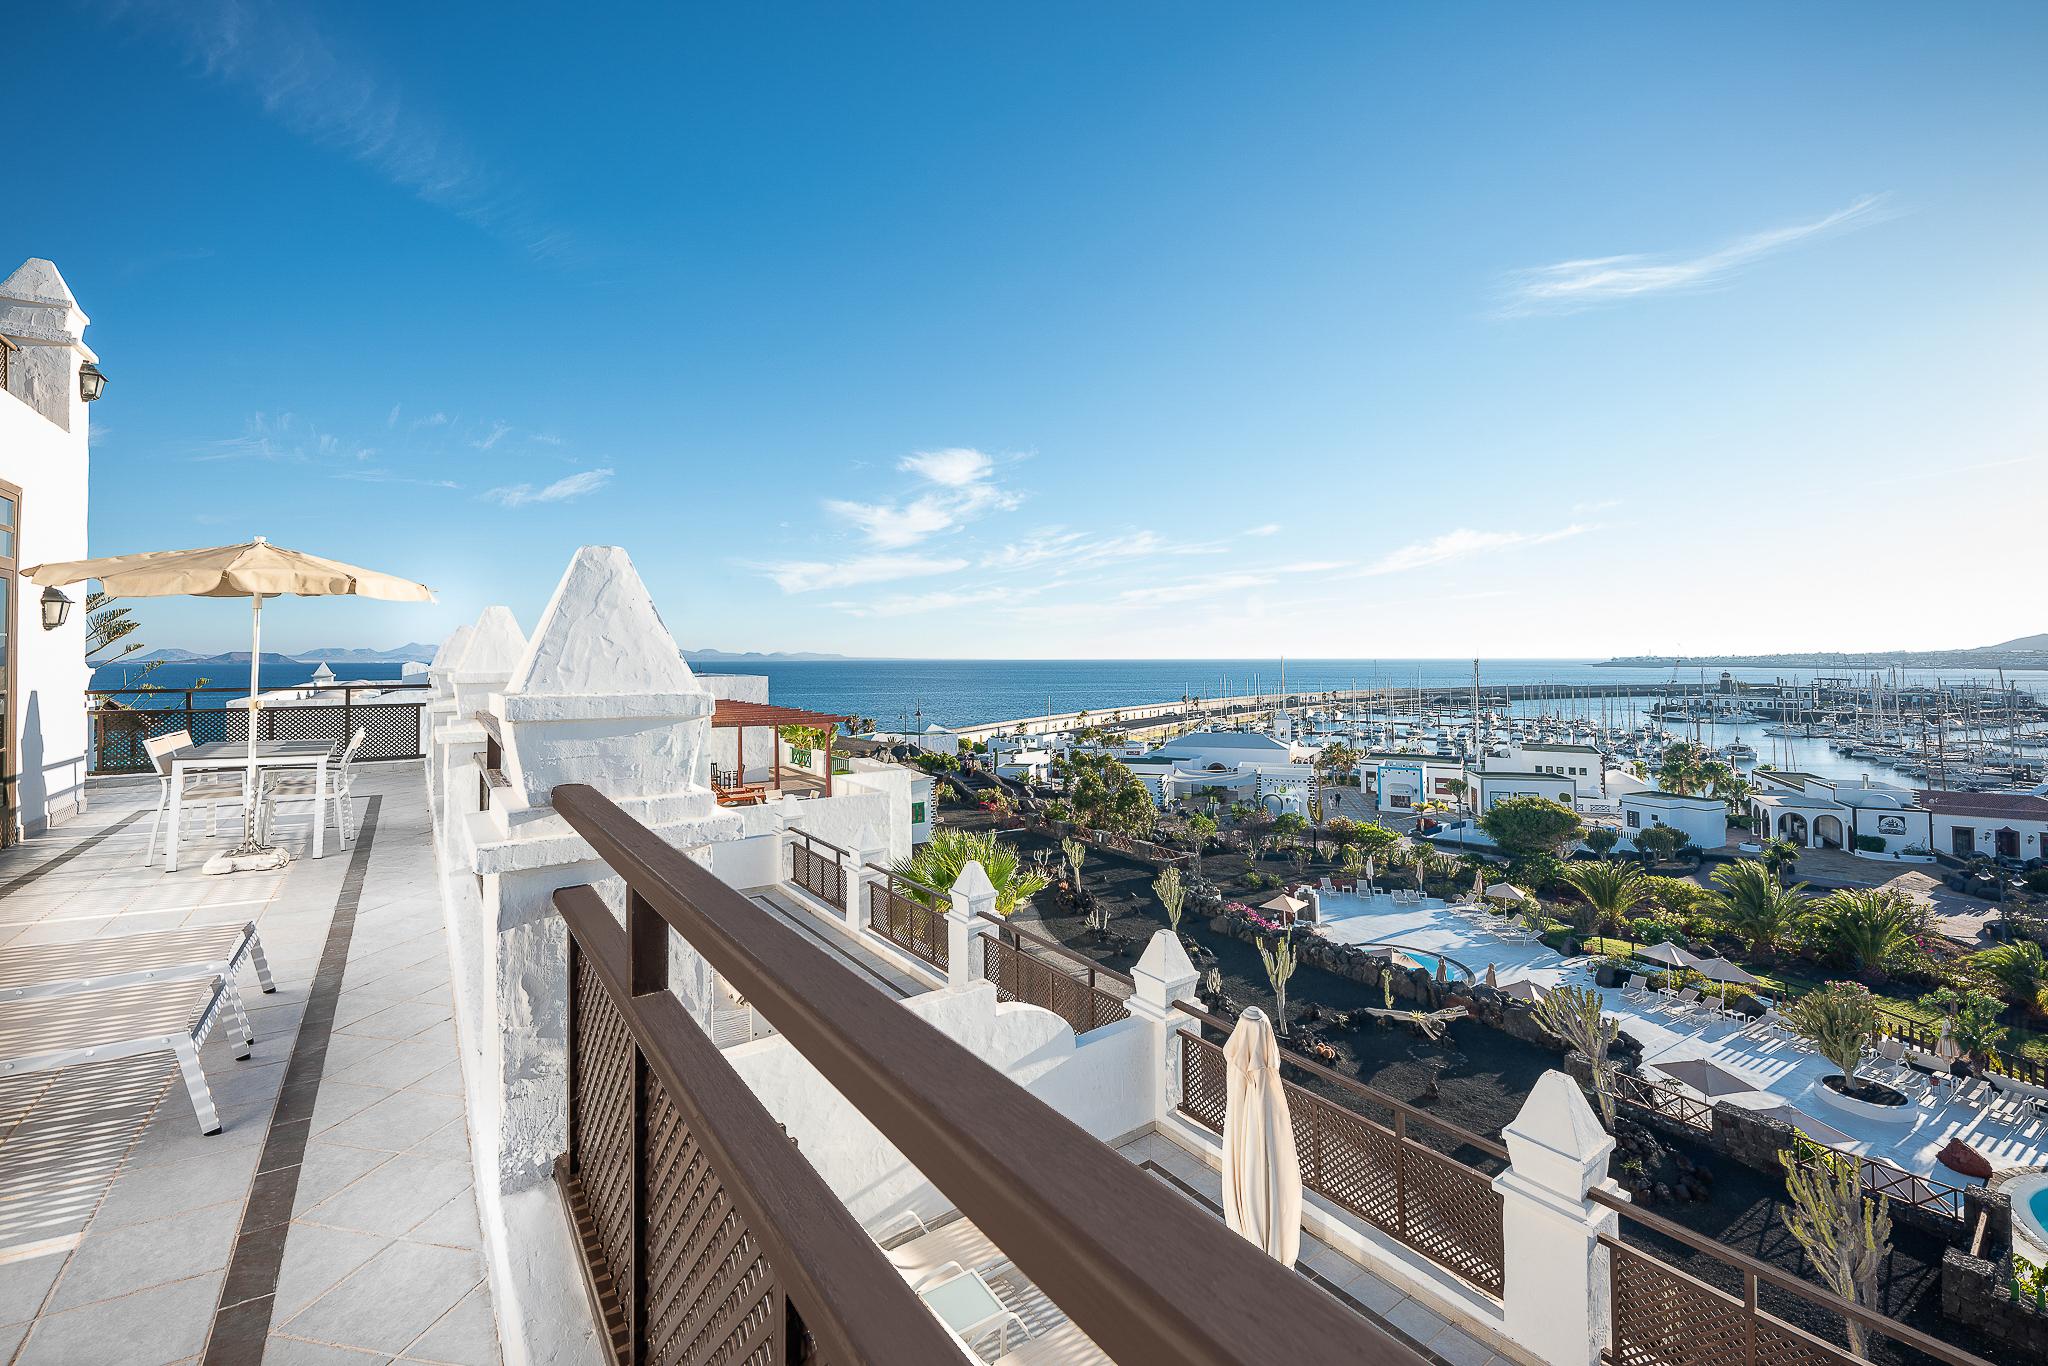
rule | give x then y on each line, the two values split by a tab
1976	1279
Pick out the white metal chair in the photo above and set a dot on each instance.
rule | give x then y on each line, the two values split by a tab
299	784
210	788
1638	988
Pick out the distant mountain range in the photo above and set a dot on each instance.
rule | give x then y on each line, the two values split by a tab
755	656
413	652
2025	652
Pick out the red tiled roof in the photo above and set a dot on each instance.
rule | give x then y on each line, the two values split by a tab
2021	805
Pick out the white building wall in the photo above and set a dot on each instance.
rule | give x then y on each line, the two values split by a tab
1706	828
43	428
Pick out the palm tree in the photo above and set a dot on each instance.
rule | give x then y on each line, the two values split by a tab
1611	891
1867	926
1780	854
938	862
1683	769
1754	905
2021	968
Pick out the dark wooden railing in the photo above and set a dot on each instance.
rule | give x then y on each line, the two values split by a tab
1688	1110
1145	1273
819	867
907	922
1031	968
392	729
1670	1317
1443	1208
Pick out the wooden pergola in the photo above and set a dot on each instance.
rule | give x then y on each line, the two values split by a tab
744	716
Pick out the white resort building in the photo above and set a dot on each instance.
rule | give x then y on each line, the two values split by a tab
48	376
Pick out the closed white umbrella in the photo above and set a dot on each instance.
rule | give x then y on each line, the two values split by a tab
1261	1174
254	570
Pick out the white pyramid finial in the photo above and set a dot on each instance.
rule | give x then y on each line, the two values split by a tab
496	644
601	635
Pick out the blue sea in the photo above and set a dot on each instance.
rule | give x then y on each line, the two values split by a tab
900	692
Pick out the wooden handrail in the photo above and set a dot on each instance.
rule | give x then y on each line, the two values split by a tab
1143	1272
858	1305
1354	1085
1767	1274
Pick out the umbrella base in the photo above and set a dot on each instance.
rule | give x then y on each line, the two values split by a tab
246	859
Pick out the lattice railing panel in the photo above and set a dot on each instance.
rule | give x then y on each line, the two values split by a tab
711	1295
907	924
1435	1204
602	1113
391	729
1663	1317
818	873
1204	1084
1453	1216
1020	976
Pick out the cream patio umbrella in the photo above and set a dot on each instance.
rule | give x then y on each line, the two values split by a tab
1261	1174
254	570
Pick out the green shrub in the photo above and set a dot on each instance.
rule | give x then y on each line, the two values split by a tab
1870	844
2037	881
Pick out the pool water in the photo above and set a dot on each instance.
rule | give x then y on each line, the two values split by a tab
2030	1213
1453	970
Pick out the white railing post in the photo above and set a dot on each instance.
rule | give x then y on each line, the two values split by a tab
1164	975
1551	1231
973	896
870	850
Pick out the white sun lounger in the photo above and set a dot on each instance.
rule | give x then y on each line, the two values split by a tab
131	959
1062	1345
958	1243
1638	988
51	1032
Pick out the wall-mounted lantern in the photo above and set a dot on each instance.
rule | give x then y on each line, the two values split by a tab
56	607
90	382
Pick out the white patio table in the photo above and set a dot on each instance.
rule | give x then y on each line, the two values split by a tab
229	755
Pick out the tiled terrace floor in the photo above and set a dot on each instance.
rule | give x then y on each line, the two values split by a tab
119	1221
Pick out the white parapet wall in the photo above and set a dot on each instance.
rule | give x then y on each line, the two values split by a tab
45	462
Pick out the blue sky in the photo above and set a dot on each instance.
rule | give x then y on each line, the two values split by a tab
1368	331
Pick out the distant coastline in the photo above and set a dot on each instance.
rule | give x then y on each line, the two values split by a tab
1979	660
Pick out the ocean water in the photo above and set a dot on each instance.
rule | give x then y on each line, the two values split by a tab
901	693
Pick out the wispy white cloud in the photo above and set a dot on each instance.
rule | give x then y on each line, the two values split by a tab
547	438
1193	590
938	600
1057	550
956	467
1269	529
374	476
430	420
1462	544
491	437
805	576
959	486
1571	285
308	81
569	486
392	420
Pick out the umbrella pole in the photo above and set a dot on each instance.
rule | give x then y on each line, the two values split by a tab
249	856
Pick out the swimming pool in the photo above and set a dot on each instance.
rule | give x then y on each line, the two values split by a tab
1406	957
2030	1211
